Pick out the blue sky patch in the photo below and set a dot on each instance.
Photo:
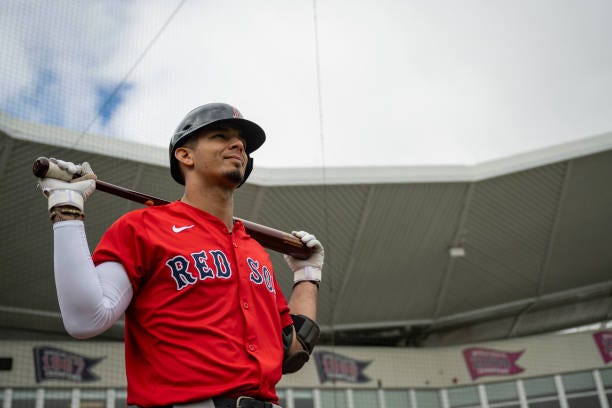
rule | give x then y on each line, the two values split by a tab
110	97
41	103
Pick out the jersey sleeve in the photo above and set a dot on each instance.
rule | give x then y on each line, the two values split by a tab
122	243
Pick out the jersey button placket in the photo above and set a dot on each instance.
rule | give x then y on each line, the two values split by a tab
245	287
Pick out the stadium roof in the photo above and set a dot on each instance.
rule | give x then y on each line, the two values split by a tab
414	255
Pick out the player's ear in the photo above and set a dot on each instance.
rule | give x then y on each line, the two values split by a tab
184	155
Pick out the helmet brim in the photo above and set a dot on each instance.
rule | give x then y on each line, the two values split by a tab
251	132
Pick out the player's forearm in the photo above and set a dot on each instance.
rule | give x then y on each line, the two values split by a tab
303	300
89	305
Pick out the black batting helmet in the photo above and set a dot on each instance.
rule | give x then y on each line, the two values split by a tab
217	114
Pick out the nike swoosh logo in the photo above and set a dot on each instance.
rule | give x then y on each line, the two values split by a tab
180	229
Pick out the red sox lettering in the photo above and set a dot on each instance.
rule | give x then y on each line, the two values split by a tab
219	268
256	276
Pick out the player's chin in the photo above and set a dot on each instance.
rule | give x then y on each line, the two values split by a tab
234	176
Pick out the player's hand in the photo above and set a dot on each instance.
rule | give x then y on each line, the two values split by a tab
72	193
307	269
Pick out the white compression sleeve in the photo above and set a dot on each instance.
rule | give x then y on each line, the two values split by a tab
91	298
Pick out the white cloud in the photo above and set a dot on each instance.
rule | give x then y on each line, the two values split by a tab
17	74
256	56
464	82
403	83
57	53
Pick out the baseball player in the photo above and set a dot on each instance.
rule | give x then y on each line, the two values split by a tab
206	324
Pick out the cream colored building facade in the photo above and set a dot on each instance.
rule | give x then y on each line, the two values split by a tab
571	370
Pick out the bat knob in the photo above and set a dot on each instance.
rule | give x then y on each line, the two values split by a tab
40	167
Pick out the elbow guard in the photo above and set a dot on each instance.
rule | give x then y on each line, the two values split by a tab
307	334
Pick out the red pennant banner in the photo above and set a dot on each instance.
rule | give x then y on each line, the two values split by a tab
336	367
603	339
482	362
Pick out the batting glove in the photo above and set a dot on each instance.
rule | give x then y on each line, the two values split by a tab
72	193
307	269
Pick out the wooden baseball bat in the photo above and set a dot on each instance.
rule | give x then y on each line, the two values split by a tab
270	238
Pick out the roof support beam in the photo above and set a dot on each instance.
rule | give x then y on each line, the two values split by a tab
365	215
457	241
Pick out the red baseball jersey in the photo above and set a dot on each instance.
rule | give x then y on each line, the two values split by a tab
207	313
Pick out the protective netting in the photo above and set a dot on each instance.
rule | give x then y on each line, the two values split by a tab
64	91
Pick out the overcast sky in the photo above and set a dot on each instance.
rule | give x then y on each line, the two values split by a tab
401	82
